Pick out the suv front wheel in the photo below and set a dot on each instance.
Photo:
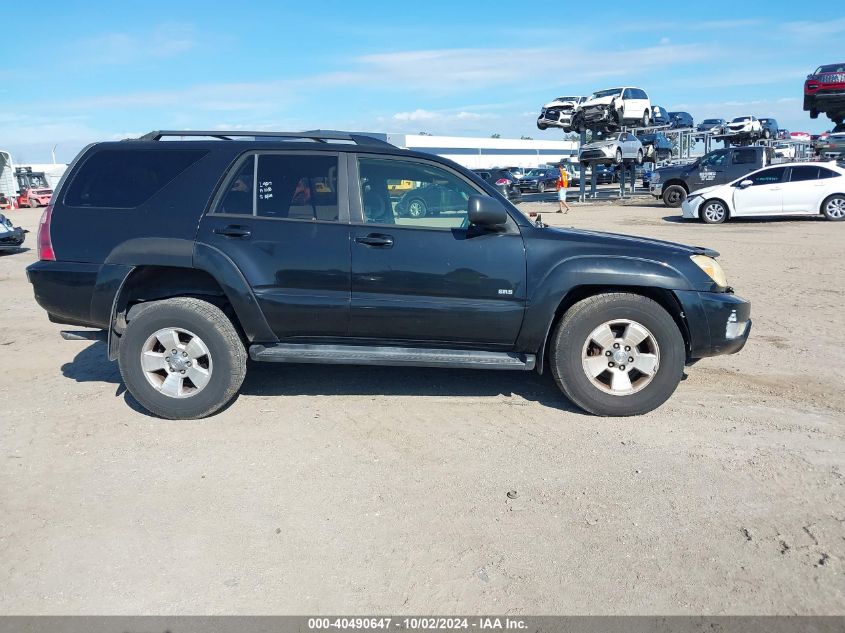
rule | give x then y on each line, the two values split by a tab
617	354
181	358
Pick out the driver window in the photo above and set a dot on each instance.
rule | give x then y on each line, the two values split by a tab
412	194
715	159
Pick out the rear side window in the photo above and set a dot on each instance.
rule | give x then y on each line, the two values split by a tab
284	186
827	173
804	172
744	157
127	178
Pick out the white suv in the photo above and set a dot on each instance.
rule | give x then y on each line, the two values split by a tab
559	113
608	109
745	125
616	147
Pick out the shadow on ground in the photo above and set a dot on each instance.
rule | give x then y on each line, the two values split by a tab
274	379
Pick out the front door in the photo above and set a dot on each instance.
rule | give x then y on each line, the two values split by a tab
280	219
709	171
764	196
430	278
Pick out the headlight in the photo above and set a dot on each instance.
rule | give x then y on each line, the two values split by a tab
712	268
655	177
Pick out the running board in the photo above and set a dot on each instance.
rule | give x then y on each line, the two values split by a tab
84	335
399	356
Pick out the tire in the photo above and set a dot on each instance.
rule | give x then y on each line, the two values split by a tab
646	119
223	358
33	204
661	352
542	126
541	187
639	157
713	212
814	114
674	196
767	134
416	208
833	208
618	158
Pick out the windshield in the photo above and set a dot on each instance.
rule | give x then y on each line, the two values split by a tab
613	92
741	119
534	173
567	99
43	192
711	121
830	68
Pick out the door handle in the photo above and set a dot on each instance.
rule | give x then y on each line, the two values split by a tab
377	240
234	231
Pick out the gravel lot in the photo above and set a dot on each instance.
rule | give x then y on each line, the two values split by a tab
359	490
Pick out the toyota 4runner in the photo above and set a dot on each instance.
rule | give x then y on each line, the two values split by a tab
288	248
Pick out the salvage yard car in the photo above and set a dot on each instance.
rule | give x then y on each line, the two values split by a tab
11	236
616	147
714	126
612	108
787	189
745	126
824	91
559	113
211	251
540	180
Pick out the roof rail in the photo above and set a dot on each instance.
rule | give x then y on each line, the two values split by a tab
320	136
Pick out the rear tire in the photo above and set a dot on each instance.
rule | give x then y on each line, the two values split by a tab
577	359
416	208
541	187
833	208
222	357
674	196
646	119
639	157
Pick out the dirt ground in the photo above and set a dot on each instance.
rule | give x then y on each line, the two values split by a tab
360	490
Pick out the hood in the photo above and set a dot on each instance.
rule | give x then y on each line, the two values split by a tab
599	101
598	144
557	104
626	242
705	190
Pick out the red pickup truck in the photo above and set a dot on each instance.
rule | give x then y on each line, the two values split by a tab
824	91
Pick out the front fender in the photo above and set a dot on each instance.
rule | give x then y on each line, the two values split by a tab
603	271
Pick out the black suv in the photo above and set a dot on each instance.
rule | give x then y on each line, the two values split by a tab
288	248
506	183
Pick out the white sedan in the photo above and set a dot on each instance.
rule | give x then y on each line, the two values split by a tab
786	189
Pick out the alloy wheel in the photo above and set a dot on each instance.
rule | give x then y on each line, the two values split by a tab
620	357
176	362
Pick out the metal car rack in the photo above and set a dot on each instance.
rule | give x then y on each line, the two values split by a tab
318	136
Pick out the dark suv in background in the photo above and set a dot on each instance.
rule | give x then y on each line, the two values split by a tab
770	128
505	181
680	120
286	247
540	180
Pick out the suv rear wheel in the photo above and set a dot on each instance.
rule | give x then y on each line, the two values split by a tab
617	354
182	358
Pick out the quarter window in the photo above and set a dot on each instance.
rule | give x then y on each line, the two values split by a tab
430	198
127	178
826	173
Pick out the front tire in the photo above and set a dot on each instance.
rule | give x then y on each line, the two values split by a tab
617	354
33	204
541	187
646	119
833	208
713	212
639	157
182	358
542	126
674	196
618	156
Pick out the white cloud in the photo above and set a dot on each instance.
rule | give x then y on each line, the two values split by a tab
163	41
417	115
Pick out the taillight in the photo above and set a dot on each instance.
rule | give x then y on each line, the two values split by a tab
45	244
503	181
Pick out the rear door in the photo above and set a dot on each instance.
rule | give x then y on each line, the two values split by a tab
282	218
764	196
430	280
803	192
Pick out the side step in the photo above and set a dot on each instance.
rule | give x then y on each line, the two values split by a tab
397	356
84	335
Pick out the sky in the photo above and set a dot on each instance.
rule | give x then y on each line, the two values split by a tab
110	70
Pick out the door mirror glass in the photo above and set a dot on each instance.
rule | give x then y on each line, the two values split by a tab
486	211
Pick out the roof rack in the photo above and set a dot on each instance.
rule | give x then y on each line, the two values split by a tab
319	136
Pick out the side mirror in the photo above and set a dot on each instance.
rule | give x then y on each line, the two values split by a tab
746	183
485	211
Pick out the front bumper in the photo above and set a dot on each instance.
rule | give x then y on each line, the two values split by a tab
656	189
718	322
597	153
12	239
690	207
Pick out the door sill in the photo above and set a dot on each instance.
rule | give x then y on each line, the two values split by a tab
391	356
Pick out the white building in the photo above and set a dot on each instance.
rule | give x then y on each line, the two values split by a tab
481	153
8	183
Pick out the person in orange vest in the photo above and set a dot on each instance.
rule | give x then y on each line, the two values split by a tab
562	184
